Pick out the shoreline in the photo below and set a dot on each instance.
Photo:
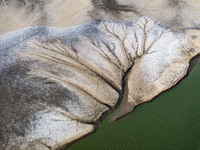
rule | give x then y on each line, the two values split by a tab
192	64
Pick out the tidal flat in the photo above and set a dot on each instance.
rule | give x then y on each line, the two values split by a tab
170	121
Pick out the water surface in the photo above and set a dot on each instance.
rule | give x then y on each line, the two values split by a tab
170	121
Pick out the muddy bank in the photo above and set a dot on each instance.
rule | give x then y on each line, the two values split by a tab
125	107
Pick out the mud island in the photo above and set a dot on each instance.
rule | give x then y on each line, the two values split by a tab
56	83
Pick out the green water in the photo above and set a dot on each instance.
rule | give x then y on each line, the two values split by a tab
171	121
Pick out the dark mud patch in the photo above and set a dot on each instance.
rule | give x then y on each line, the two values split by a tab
193	63
173	3
111	7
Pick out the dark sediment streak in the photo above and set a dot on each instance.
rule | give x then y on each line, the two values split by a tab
193	62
